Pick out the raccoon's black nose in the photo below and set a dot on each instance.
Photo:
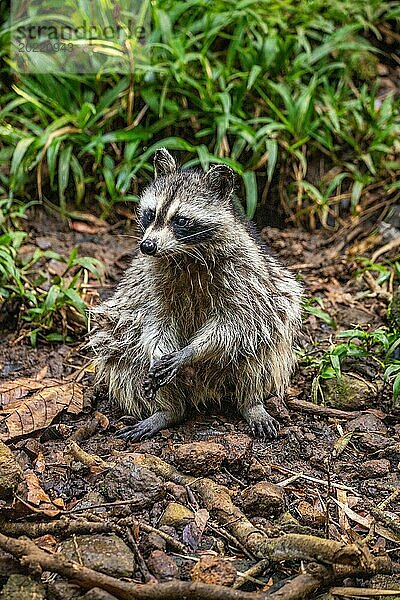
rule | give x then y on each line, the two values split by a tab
148	247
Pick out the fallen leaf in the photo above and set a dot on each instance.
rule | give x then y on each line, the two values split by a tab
25	413
47	542
89	218
37	499
83	228
194	530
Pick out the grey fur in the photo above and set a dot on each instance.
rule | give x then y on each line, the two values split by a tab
212	314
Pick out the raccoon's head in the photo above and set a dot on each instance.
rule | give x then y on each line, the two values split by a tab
185	211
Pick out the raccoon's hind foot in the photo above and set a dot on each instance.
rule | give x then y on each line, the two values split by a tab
260	421
161	373
148	427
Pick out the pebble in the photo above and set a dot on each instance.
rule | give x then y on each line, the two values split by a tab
257	470
372	442
177	491
200	458
374	468
105	553
151	542
263	499
176	515
22	587
347	392
214	570
162	566
367	422
127	481
309	514
238	450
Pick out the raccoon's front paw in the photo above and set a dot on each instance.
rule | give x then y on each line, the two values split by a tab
161	373
148	427
261	423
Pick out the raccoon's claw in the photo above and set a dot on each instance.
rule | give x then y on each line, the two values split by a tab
146	428
261	424
161	373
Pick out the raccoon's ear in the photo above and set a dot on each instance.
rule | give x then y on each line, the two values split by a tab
221	179
164	164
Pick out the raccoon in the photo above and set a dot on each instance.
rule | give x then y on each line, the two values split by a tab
204	313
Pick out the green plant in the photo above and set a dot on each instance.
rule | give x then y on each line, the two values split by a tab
380	345
265	87
50	307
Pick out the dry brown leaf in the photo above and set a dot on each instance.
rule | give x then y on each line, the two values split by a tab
10	391
83	228
37	499
24	414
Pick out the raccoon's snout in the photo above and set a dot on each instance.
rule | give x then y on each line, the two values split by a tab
148	247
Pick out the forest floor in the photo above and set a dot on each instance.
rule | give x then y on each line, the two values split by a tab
86	495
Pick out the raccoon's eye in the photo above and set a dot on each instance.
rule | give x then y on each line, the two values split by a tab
148	217
182	221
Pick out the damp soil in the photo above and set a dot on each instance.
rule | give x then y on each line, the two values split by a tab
332	471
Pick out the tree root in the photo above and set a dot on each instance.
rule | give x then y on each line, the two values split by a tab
286	547
329	561
37	560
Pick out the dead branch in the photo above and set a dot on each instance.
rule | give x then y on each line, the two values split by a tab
34	558
74	452
287	547
60	527
322	410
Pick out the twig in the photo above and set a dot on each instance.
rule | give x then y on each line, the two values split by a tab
285	547
147	576
102	505
386	248
338	486
296	404
255	570
175	544
349	592
228	536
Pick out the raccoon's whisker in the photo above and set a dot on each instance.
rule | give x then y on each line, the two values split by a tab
196	255
186	237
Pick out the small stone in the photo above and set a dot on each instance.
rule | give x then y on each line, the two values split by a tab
372	442
105	553
151	542
200	458
374	468
176	515
288	519
90	499
162	566
365	423
263	498
177	491
257	470
22	587
238	450
310	515
347	392
63	590
10	472
127	481
214	570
